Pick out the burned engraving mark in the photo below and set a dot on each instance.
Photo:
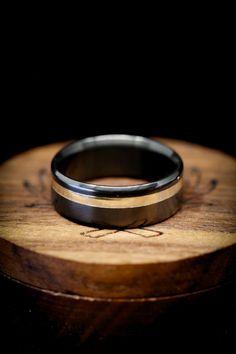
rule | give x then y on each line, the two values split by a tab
195	189
43	180
37	205
30	187
214	182
39	190
143	232
98	233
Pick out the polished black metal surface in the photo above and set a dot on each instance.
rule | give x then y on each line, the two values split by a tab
116	156
117	218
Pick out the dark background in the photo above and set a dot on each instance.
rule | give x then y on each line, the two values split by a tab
152	83
181	88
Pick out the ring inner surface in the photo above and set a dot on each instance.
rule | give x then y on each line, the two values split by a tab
117	161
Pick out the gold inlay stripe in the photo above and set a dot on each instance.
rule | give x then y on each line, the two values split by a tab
120	202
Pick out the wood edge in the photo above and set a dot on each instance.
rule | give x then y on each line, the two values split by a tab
42	281
120	300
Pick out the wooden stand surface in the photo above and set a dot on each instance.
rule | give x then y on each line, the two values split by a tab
190	252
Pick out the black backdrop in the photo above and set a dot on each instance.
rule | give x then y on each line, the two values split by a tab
177	90
52	101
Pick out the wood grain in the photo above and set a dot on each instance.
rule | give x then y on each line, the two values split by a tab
192	251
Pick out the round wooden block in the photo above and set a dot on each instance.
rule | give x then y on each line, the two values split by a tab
192	251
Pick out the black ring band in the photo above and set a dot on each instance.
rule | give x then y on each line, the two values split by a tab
111	206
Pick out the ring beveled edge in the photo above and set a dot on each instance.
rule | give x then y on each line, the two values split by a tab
111	191
107	206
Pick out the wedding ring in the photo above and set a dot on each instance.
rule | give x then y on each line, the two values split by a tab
77	198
